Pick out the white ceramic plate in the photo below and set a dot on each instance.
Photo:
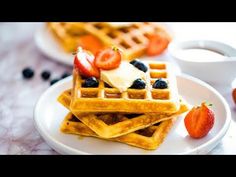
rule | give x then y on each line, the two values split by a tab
49	114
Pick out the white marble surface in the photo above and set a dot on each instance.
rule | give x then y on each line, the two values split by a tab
18	97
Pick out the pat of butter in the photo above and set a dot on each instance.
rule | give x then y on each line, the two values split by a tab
123	76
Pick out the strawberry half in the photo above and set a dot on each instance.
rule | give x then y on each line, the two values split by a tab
107	59
157	44
199	121
84	62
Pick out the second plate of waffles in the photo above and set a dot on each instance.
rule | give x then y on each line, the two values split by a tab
58	40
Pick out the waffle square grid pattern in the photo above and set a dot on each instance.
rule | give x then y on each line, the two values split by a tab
111	125
132	40
137	117
148	100
149	138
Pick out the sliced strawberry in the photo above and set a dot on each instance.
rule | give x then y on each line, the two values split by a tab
107	59
84	63
199	121
157	44
90	43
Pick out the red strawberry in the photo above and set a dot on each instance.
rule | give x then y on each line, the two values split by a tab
107	59
84	62
199	121
157	44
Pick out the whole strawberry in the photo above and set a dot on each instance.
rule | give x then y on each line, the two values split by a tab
199	121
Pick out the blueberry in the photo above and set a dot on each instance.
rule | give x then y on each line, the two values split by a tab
65	74
138	64
54	81
133	62
90	82
45	75
28	73
138	84
160	84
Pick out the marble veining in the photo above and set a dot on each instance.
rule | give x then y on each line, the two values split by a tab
18	96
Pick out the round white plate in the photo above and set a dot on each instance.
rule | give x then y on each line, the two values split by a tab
48	115
48	45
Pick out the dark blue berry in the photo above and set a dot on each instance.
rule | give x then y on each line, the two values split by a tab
54	81
138	64
65	74
133	62
90	82
27	73
45	75
160	84
138	84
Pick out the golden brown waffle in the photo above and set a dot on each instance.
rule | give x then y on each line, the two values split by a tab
149	138
132	40
149	100
116	124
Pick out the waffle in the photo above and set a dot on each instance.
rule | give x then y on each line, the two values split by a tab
116	124
149	138
148	100
132	40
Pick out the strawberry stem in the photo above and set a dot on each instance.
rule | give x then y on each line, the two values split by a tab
79	49
208	103
115	48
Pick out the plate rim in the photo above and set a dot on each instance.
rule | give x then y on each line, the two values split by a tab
51	141
39	36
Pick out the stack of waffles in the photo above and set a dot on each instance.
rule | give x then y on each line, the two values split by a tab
137	117
132	39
